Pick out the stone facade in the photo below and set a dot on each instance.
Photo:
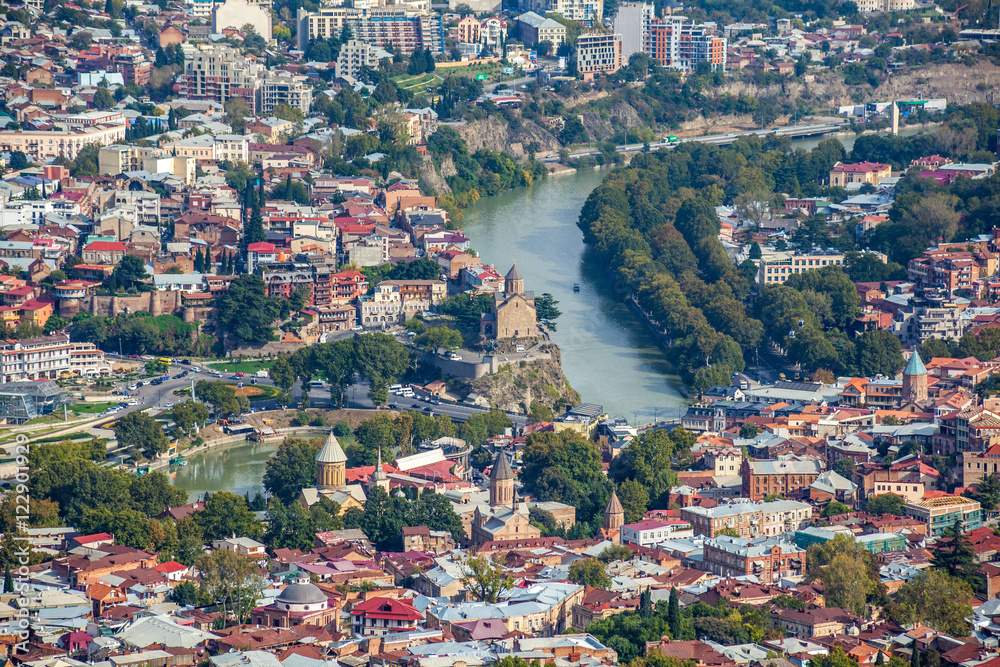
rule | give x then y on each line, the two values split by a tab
513	314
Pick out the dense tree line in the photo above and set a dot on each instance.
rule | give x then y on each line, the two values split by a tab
655	224
140	333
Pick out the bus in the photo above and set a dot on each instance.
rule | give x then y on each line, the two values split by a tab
164	360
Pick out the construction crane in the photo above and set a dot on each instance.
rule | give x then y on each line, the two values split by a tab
955	15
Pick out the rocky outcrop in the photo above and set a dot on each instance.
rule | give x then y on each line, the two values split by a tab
601	125
433	181
519	383
495	134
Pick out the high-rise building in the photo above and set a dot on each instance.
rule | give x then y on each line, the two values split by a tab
633	21
394	26
589	12
219	73
356	55
286	88
598	53
675	43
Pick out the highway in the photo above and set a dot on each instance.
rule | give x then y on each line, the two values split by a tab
796	131
160	397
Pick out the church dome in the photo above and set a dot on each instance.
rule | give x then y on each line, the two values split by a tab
301	593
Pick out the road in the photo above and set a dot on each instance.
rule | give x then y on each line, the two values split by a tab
799	130
159	396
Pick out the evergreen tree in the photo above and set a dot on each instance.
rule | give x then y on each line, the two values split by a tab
253	232
161	57
261	200
915	656
957	558
674	614
8	581
880	660
645	604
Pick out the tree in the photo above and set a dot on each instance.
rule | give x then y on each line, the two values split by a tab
589	572
18	160
879	353
674	614
749	431
226	514
914	655
755	251
986	492
185	594
130	271
439	337
835	508
546	311
291	469
139	432
888	503
936	599
634	499
567	468
847	572
188	415
485	579
246	311
844	467
254	230
8	581
953	553
233	580
103	99
836	658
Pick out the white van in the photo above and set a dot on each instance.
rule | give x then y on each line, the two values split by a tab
395	387
316	384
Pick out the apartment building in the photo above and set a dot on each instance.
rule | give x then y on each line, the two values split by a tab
419	294
861	172
769	560
633	21
651	532
676	43
725	461
929	314
286	88
761	519
598	53
761	478
977	465
355	55
583	11
493	33
776	267
219	73
36	358
470	30
952	267
50	144
536	29
874	480
404	32
940	514
86	359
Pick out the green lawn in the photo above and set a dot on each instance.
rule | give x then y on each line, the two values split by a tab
90	408
240	366
418	81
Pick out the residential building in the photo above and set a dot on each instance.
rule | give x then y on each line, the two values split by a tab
775	268
238	13
633	21
470	30
219	73
390	27
583	11
45	145
761	478
493	34
941	513
871	173
815	622
725	461
929	314
286	88
977	465
871	6
751	520
36	358
598	53
678	44
651	532
769	560
355	55
536	29
383	616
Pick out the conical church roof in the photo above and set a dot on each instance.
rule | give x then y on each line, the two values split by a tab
513	274
331	451
379	474
915	366
614	505
501	469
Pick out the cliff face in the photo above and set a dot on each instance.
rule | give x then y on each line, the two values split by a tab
435	181
517	384
495	134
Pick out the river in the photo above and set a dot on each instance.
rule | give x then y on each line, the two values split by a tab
608	355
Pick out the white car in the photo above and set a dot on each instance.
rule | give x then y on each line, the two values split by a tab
455	357
170	405
357	327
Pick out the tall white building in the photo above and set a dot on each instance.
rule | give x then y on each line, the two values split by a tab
286	88
238	13
632	22
220	73
355	55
